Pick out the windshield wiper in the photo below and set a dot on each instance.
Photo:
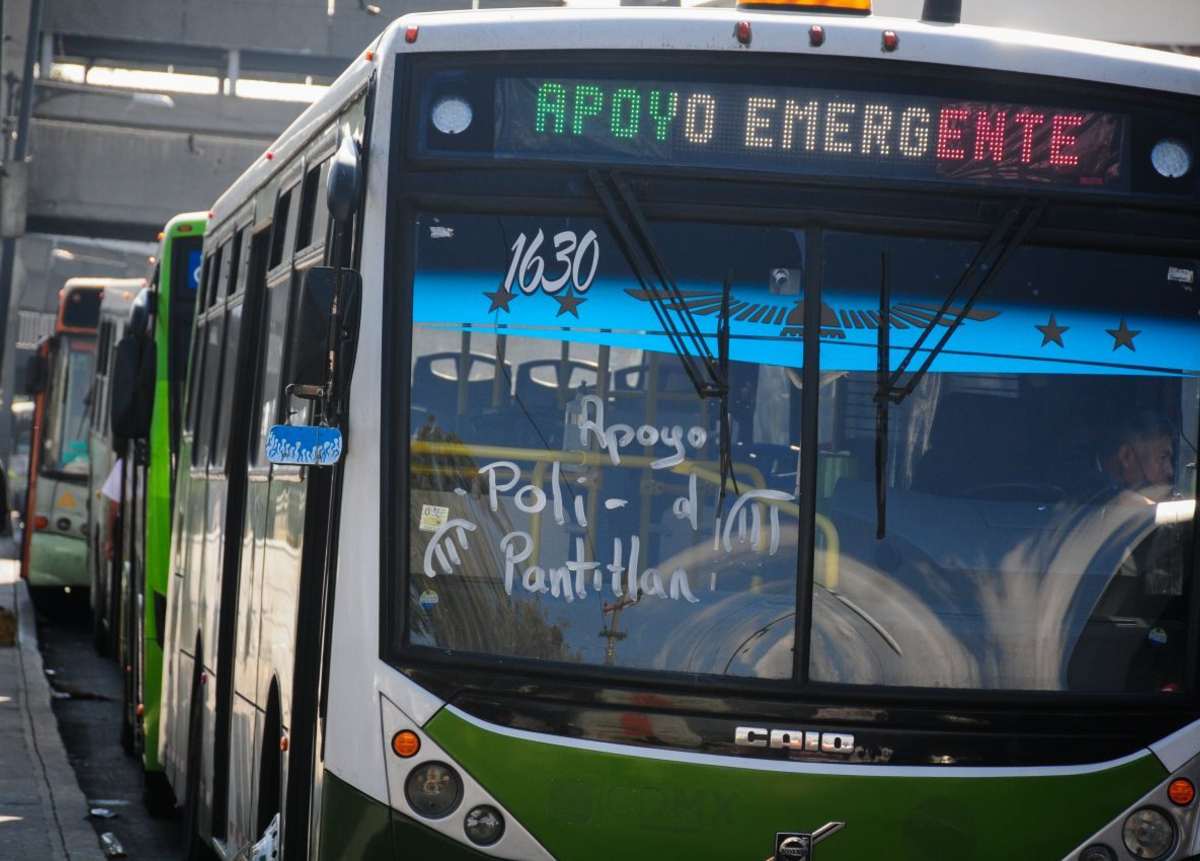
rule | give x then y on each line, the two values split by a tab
669	304
708	374
992	257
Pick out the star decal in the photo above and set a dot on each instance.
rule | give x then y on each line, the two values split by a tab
568	302
1123	336
1052	332
500	299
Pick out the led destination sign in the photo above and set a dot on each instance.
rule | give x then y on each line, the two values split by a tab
810	131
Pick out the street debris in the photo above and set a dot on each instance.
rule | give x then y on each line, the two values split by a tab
111	845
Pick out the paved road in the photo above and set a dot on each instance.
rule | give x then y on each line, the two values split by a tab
90	724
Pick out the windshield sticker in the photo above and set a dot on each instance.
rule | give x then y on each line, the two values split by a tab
433	517
1181	275
991	338
428	600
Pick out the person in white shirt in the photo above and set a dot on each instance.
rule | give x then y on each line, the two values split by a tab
112	492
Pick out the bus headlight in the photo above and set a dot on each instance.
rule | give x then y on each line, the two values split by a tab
484	825
433	789
1148	833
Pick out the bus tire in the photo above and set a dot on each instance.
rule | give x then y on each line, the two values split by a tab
157	795
270	781
194	847
99	640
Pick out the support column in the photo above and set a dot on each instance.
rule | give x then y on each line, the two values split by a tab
233	70
46	58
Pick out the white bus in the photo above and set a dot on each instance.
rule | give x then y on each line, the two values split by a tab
699	433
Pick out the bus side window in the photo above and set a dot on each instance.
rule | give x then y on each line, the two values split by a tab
288	410
214	329
233	277
233	328
275	315
283	229
101	390
195	353
96	408
256	278
308	203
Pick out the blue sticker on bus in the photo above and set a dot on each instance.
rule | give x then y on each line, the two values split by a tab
304	445
195	261
1007	337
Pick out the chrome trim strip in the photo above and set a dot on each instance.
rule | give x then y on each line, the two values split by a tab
848	769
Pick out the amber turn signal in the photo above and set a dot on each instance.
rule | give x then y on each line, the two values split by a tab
406	743
1181	792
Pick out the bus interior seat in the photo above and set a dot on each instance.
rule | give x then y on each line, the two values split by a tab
675	401
435	387
538	390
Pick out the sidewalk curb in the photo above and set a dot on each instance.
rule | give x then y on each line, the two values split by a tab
58	788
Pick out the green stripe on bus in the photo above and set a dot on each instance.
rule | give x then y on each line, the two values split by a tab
591	805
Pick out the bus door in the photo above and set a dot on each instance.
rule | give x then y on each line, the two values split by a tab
227	476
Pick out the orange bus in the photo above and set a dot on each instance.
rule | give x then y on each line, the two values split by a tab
54	543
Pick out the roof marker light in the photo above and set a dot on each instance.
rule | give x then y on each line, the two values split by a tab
270	155
816	35
369	56
410	35
844	7
890	40
160	235
742	32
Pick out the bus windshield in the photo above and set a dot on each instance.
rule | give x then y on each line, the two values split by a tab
64	446
567	503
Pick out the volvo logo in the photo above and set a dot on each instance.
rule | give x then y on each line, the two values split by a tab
794	847
839	743
798	846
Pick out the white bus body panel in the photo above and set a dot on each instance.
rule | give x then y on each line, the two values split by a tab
357	673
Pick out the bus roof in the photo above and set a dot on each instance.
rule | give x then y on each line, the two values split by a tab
119	295
712	29
185	222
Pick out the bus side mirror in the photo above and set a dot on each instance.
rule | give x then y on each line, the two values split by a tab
344	186
35	374
308	348
312	335
132	386
141	311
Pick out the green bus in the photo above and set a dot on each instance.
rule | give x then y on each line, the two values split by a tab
669	433
150	365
